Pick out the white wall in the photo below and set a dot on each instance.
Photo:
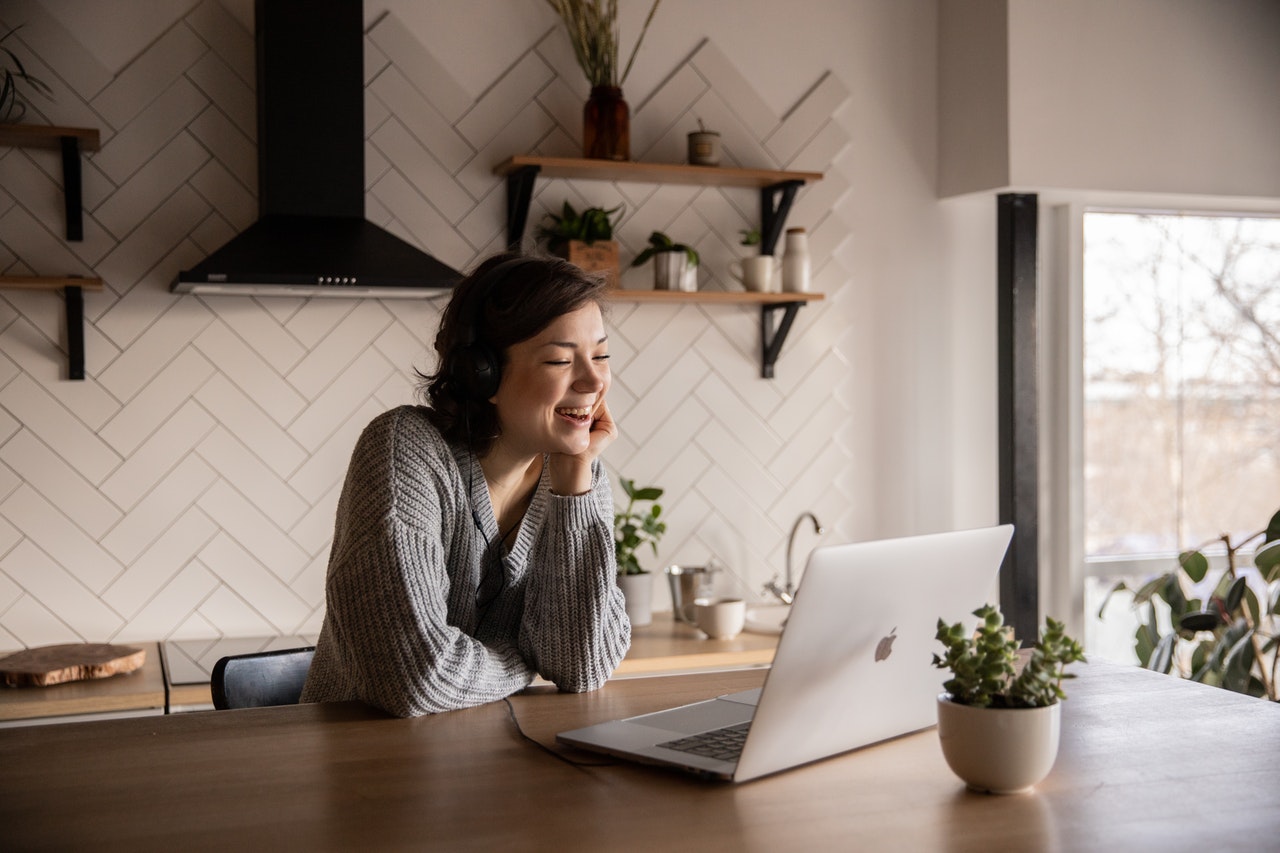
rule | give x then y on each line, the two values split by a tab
186	489
1150	96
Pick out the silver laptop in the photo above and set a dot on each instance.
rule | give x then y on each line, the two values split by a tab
854	664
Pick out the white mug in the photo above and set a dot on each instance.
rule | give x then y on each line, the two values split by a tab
755	273
720	618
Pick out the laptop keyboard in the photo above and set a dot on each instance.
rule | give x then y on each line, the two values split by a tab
725	744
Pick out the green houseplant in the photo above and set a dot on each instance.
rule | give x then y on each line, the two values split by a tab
998	724
636	527
1223	633
589	226
672	263
13	77
584	239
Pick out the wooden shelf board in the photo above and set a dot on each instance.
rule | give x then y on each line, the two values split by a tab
46	282
47	136
723	298
670	173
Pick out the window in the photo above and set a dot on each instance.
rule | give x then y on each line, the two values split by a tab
1181	386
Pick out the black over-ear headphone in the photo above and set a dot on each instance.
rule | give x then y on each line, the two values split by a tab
476	369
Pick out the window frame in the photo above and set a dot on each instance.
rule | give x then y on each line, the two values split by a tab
1065	570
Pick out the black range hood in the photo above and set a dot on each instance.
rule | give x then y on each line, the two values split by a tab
311	237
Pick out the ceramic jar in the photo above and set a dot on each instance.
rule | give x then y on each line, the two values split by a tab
795	262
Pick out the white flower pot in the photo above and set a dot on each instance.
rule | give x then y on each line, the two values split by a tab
638	592
1000	750
669	270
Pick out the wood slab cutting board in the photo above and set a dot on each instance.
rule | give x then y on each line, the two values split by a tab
47	665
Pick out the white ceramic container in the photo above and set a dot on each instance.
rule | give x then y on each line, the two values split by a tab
999	750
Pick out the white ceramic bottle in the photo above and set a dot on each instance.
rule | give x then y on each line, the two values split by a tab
795	262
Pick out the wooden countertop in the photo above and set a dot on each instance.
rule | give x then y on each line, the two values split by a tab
670	647
140	690
666	647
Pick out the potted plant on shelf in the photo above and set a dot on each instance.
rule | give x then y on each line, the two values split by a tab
1226	638
592	26
633	528
998	723
675	265
14	76
584	239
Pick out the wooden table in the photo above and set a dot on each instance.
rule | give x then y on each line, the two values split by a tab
1147	763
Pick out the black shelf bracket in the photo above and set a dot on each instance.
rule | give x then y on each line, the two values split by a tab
775	204
71	187
74	297
519	195
771	337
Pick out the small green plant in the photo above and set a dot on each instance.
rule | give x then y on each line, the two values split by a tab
658	243
594	223
750	236
633	528
13	104
1227	638
984	665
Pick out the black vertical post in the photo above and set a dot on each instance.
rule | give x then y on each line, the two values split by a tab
71	187
75	331
1018	421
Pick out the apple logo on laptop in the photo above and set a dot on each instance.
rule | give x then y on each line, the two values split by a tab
884	648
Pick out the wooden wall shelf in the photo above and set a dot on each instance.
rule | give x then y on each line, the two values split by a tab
72	140
72	288
777	191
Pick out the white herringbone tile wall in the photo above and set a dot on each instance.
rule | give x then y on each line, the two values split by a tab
186	489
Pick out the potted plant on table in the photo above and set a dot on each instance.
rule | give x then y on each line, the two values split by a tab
584	239
998	723
633	528
675	265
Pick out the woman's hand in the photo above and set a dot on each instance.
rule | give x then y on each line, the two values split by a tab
571	474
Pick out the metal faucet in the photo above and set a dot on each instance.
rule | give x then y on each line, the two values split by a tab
786	594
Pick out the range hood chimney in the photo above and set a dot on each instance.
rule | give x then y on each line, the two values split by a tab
311	237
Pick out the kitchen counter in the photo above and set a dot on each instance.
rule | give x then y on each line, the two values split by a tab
175	677
138	693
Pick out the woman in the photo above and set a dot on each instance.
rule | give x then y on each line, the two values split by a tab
473	547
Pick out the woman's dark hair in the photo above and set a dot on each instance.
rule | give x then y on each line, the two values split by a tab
509	298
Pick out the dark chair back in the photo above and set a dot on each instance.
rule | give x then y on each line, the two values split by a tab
260	679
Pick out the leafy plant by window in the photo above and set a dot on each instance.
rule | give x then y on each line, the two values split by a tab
13	104
590	225
634	528
1226	638
984	665
658	243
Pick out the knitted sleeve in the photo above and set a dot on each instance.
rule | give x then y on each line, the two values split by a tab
575	629
388	637
388	613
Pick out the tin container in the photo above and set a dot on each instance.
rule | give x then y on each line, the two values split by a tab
688	584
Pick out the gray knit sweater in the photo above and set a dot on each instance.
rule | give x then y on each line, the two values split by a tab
404	628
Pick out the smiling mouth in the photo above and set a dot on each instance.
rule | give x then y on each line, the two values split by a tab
580	415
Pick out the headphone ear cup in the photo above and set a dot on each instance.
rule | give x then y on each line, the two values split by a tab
477	372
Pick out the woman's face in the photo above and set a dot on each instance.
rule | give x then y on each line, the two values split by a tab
552	384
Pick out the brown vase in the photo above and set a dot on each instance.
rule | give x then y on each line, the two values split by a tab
606	125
